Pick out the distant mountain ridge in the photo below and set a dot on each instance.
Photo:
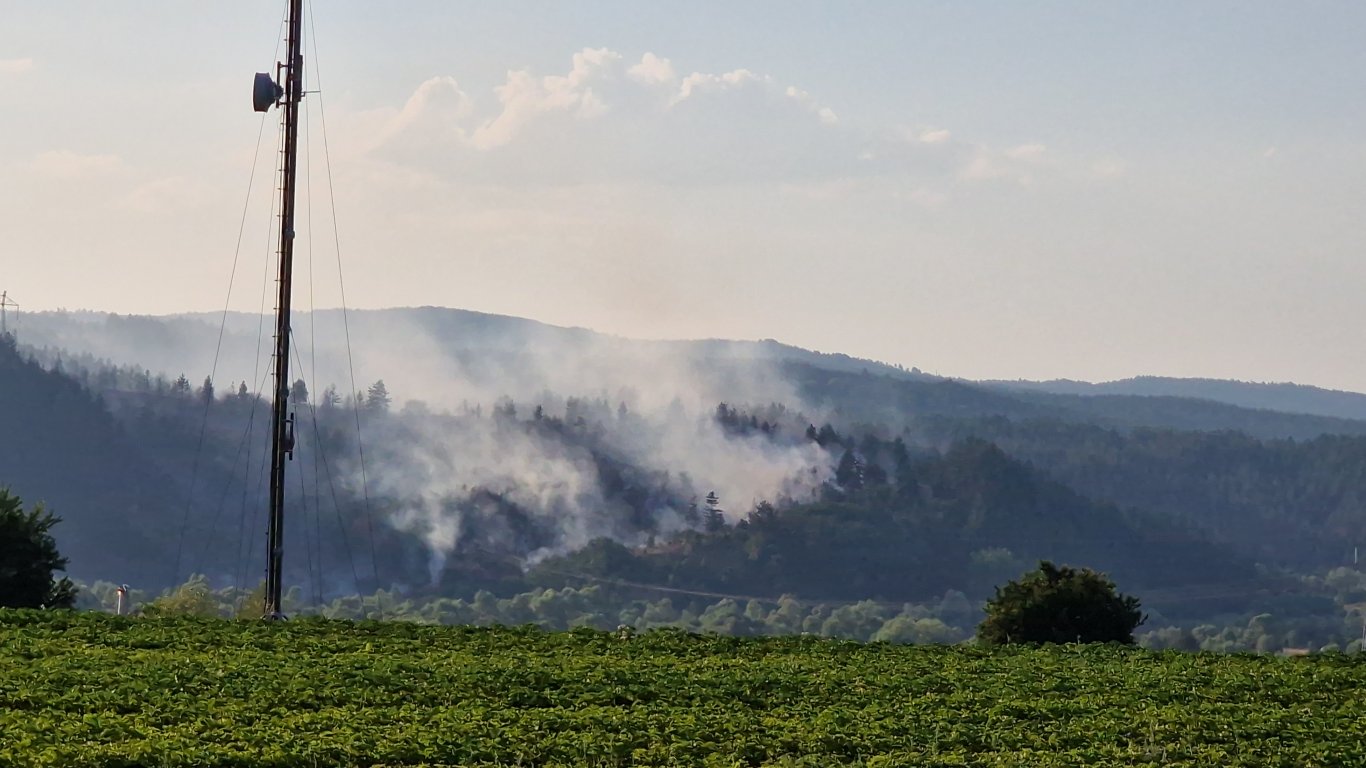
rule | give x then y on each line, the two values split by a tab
447	356
186	343
1286	397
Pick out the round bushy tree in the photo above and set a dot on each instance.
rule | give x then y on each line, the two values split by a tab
28	557
1053	604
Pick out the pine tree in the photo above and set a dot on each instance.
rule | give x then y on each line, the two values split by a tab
714	518
298	394
377	397
330	399
849	473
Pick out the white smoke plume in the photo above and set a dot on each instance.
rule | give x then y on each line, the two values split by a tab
441	466
441	458
441	469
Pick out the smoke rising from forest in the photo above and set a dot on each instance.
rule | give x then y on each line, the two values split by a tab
455	478
626	445
508	453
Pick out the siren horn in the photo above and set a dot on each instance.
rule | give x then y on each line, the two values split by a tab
265	92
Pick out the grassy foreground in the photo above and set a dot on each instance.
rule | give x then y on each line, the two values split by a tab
93	690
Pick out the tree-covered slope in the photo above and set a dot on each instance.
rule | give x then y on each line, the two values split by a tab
880	399
1275	396
1293	502
62	448
966	520
462	497
443	354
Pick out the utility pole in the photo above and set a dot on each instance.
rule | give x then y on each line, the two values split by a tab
5	304
287	97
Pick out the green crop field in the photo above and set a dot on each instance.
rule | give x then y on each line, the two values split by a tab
93	690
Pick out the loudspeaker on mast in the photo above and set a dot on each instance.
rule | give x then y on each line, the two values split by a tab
265	92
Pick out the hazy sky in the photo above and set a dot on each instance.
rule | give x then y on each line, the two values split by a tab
1085	190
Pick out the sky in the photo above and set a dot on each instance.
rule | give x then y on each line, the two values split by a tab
989	190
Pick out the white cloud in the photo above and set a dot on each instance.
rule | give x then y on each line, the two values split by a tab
1269	152
701	82
65	164
1017	164
825	114
606	118
435	114
652	70
609	119
524	97
15	66
439	96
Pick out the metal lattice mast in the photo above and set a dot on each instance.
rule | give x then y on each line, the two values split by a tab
287	97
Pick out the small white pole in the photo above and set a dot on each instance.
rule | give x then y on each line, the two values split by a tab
123	595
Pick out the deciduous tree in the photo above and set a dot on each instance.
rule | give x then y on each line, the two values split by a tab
1053	604
28	557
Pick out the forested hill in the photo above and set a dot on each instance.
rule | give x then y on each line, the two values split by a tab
885	400
547	476
61	447
904	529
1281	396
402	345
1297	503
444	355
523	444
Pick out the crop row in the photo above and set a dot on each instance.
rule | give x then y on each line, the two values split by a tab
90	690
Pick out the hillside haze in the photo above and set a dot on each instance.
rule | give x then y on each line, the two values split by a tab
448	356
508	455
434	354
1276	396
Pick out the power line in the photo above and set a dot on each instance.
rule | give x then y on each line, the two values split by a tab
5	304
341	283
